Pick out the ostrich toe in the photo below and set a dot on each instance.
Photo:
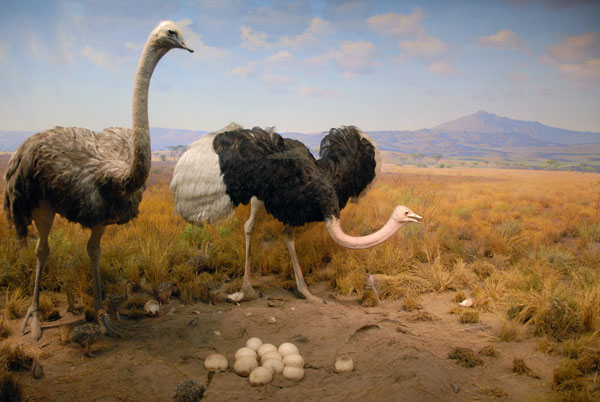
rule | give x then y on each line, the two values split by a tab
34	325
248	290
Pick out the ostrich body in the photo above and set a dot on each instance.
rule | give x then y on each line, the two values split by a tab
236	166
95	179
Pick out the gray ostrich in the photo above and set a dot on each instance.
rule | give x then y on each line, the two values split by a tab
94	179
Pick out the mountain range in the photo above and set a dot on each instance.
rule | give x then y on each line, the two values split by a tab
480	136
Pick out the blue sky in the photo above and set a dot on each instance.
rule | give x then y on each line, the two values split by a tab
302	65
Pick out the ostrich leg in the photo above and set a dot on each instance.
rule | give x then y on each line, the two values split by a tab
256	207
93	249
43	218
288	236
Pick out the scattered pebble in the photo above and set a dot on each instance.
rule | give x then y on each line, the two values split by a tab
217	333
466	303
247	314
272	320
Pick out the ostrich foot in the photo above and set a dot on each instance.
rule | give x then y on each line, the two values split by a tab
35	326
109	328
305	294
248	290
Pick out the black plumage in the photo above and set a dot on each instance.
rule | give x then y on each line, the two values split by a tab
294	186
237	166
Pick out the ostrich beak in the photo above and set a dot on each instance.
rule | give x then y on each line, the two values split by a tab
184	46
414	218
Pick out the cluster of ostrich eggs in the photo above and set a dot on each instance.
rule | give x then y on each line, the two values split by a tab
261	361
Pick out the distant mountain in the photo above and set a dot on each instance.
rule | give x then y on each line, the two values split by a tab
480	136
488	123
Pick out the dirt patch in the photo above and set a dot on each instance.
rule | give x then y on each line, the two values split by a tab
395	358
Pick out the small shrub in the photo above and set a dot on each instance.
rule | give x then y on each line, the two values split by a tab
558	320
488	351
508	330
567	376
465	357
520	367
412	302
469	317
14	302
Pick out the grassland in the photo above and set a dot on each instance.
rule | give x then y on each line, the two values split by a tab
525	245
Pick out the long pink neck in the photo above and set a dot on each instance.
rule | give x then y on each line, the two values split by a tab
337	234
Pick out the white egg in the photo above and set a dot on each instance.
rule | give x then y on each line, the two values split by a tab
276	366
253	343
244	365
266	347
271	355
260	376
293	373
344	364
215	362
287	349
245	352
293	360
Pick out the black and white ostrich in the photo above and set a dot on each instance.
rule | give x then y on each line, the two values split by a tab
236	166
95	179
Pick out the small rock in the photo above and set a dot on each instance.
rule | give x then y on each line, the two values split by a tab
272	320
466	303
247	314
217	333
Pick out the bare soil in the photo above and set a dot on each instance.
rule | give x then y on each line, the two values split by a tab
398	355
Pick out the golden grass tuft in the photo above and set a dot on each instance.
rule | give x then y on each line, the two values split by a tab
469	316
508	330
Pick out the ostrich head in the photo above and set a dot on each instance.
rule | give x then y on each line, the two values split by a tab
167	36
403	215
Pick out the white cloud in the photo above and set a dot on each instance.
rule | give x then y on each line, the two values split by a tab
589	70
355	57
425	46
308	92
276	79
397	24
577	57
443	68
517	76
283	56
505	39
134	46
576	48
202	51
253	40
100	59
244	71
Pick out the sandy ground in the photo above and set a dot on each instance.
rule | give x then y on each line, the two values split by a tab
396	358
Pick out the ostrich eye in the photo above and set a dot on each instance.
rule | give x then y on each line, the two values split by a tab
405	212
171	32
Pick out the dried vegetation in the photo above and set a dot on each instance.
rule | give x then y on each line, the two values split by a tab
524	244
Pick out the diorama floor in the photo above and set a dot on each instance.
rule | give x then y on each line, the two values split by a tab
398	355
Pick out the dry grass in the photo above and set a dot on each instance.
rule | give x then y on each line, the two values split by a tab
525	245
